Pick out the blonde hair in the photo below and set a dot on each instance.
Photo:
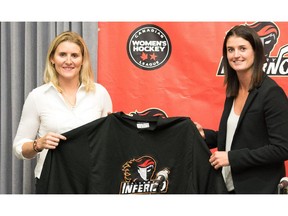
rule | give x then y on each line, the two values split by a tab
86	74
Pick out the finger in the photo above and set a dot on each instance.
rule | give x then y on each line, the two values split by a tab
52	140
56	140
62	137
51	146
212	158
51	143
197	125
57	137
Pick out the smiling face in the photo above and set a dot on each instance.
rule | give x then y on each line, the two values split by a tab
240	54
67	60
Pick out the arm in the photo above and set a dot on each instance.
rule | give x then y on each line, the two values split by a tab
211	138
264	137
27	129
217	159
25	145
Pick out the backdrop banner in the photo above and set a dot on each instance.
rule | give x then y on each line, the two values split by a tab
175	68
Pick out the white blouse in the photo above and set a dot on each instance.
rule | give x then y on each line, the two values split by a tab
45	110
231	127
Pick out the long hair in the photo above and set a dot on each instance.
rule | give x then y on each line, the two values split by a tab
86	74
230	77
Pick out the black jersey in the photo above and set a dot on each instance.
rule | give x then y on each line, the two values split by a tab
122	154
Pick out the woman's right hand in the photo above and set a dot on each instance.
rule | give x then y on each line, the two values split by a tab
49	141
200	129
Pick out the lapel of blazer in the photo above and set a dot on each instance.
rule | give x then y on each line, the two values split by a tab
248	103
250	100
226	113
227	110
223	123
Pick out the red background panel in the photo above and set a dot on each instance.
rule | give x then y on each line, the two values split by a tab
187	84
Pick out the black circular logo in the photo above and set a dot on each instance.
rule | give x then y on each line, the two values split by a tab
149	47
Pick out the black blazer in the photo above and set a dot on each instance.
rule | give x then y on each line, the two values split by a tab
260	144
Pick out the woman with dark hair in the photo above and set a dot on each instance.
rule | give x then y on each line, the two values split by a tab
252	140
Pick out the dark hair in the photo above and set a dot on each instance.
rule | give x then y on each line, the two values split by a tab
231	80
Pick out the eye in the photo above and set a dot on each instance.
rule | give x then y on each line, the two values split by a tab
75	55
229	50
62	54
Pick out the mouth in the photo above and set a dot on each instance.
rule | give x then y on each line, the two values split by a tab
68	68
237	62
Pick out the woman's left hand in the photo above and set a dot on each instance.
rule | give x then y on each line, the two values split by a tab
219	159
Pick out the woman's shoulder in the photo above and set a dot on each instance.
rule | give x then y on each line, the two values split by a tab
100	87
270	86
268	82
42	88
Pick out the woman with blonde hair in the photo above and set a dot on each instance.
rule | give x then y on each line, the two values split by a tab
68	99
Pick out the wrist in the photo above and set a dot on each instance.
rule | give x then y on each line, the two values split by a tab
35	147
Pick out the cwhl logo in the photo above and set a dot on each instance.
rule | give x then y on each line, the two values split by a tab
149	47
138	175
269	34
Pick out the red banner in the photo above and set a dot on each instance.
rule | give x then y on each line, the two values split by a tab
176	66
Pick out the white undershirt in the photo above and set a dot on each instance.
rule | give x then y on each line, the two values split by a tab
231	127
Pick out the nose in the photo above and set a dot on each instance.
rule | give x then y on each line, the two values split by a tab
68	60
236	53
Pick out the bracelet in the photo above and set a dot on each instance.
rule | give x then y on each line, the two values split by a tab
35	146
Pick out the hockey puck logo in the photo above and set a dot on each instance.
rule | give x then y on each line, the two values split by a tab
149	47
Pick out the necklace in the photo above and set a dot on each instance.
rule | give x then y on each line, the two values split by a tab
68	100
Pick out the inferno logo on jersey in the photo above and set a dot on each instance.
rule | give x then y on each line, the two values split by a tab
149	47
269	34
151	112
139	177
